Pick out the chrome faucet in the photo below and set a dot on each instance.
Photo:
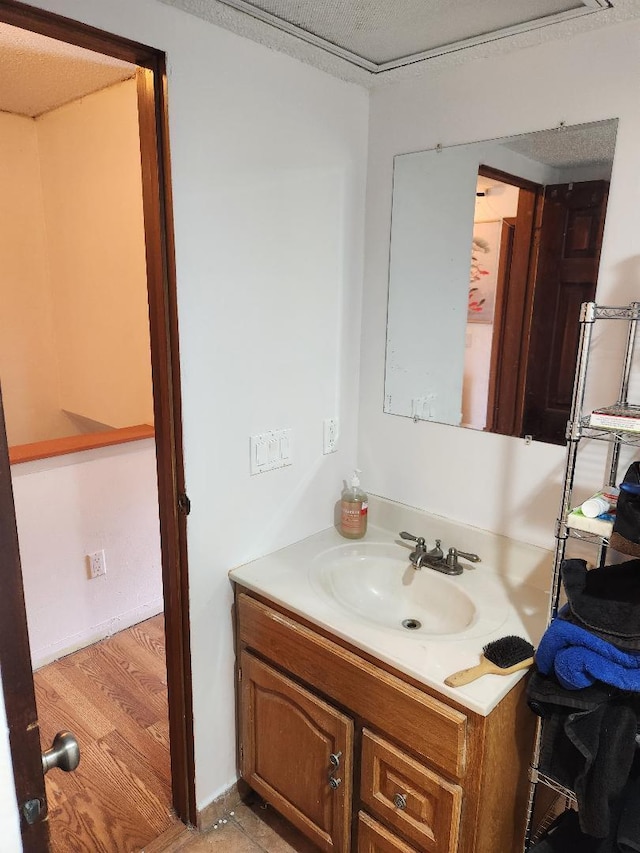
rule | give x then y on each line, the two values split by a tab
435	559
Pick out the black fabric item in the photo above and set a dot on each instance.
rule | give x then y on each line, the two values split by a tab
588	745
564	836
628	834
627	523
624	546
625	644
606	600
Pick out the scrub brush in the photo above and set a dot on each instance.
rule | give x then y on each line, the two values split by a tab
501	657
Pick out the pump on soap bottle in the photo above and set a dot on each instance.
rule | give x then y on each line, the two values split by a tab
354	506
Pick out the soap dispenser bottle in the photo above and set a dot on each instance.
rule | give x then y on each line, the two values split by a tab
354	507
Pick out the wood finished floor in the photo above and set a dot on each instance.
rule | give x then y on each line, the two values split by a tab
113	696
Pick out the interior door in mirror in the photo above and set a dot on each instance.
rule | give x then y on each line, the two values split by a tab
566	275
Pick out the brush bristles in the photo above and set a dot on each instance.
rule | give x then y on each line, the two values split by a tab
508	651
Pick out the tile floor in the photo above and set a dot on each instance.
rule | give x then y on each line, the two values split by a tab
252	828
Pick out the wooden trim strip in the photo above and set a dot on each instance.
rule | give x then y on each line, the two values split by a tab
165	370
78	443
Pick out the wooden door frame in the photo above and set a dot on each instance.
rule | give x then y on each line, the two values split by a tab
165	367
507	234
511	334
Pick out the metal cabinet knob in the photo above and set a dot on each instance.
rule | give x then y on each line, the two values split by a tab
64	753
334	783
334	759
400	801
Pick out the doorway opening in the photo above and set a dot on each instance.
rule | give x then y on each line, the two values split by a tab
149	84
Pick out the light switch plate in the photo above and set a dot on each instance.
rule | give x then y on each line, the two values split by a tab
330	435
270	450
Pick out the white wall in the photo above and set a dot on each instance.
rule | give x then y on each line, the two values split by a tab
28	368
71	506
491	481
92	191
268	164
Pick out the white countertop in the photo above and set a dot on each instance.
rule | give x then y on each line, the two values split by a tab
509	600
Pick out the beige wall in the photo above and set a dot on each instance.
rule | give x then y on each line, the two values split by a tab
74	329
28	369
90	166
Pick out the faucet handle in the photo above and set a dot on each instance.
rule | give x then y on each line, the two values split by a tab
452	558
473	558
419	539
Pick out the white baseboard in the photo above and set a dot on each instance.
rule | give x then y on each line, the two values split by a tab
67	645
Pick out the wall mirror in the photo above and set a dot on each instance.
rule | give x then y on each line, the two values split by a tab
494	246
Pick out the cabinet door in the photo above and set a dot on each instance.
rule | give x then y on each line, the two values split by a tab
288	738
375	838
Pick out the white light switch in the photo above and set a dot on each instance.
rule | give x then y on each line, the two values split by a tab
285	445
261	455
269	450
329	435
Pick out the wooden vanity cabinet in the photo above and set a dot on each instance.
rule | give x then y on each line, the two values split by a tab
418	773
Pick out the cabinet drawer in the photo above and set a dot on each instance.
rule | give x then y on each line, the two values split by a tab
373	838
426	725
408	796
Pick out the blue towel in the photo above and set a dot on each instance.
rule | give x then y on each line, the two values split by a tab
579	658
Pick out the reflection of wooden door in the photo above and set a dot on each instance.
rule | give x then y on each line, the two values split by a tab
289	739
568	258
513	306
507	236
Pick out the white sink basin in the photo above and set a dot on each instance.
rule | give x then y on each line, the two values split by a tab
377	583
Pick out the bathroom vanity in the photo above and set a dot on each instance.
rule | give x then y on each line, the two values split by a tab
345	724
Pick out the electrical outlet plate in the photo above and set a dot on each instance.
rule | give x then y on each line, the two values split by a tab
97	564
330	435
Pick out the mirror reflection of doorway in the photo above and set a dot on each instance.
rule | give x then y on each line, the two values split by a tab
534	260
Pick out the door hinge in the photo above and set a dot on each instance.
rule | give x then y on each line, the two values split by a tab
184	504
241	752
32	811
239	674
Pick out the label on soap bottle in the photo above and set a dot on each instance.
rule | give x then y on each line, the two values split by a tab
353	514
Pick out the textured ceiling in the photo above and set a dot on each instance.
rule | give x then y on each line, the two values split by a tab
577	145
380	32
375	42
38	74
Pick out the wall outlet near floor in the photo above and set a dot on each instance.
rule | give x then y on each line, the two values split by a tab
97	564
330	435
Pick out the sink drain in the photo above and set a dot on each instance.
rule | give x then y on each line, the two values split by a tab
411	624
